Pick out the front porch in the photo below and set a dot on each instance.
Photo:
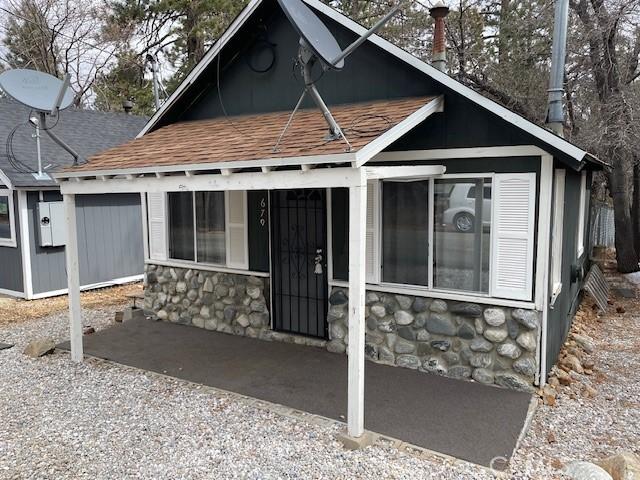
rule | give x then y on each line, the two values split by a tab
466	420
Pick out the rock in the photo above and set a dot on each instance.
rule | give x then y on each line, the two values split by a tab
420	304
527	318
402	346
438	306
221	290
585	342
371	298
192	294
408	361
459	371
198	322
527	340
423	349
243	320
435	365
423	336
254	292
591	392
513	381
211	323
483	375
495	334
513	328
407	333
181	287
452	358
481	360
336	346
494	316
372	323
374	337
467	309
385	355
378	310
441	324
420	320
623	466
371	351
337	331
479	344
388	325
403	318
205	312
229	313
88	330
162	314
525	366
572	362
404	302
338	297
40	347
509	350
585	471
466	331
563	377
442	345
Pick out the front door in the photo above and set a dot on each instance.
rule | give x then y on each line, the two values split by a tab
299	238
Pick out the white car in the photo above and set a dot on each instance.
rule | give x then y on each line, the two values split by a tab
462	205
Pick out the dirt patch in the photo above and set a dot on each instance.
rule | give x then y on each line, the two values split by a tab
14	310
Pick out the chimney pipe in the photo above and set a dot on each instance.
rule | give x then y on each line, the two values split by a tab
127	106
439	58
555	110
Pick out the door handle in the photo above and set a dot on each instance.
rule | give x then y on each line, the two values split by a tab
318	261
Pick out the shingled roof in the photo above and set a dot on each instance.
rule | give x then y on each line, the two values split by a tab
86	131
253	137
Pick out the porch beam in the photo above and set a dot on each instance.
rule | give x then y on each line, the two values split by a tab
420	171
357	261
73	278
471	152
274	180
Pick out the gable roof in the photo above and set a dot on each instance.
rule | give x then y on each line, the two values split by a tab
231	141
86	131
578	155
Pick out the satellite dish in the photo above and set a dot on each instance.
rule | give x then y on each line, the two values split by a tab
313	32
317	43
37	90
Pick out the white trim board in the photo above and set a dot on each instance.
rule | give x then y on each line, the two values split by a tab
11	293
92	286
25	244
511	117
12	241
6	180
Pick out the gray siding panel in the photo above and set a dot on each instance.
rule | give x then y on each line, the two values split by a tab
109	241
11	258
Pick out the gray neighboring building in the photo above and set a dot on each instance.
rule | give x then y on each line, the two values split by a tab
32	260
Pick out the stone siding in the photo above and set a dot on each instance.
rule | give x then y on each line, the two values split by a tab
224	302
492	345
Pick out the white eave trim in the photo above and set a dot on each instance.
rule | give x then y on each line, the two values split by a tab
504	113
6	180
383	141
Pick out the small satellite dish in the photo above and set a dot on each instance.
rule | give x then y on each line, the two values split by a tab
317	44
312	31
37	90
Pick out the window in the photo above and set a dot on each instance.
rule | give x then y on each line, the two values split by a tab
203	227
462	234
405	232
582	213
197	234
7	220
556	237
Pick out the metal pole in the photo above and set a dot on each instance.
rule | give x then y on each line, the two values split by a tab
39	154
156	94
555	112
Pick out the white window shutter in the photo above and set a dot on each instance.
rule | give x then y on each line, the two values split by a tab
236	232
373	228
157	216
514	197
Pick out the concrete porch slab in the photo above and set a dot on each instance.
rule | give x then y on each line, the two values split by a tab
462	419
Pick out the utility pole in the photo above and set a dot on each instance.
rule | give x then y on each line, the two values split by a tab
555	111
156	94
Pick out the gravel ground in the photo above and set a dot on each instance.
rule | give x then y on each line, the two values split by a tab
97	420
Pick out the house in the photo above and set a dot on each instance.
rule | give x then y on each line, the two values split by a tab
449	236
31	215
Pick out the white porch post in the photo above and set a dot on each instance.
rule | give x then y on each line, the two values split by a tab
357	244
73	278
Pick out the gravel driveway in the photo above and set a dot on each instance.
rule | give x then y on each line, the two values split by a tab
97	420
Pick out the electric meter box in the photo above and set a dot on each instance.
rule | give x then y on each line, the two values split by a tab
52	226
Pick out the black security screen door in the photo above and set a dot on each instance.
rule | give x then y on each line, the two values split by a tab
299	237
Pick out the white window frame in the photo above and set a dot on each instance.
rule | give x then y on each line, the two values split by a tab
555	278
582	214
11	241
431	225
226	265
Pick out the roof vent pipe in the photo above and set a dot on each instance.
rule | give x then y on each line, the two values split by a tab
439	58
555	111
127	106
